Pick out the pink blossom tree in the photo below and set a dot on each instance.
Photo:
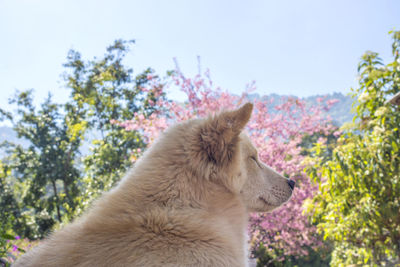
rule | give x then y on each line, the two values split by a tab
277	132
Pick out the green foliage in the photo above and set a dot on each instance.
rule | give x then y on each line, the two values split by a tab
5	246
267	257
8	204
46	184
45	174
12	247
358	203
104	92
8	248
321	144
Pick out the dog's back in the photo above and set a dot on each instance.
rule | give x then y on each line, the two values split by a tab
156	237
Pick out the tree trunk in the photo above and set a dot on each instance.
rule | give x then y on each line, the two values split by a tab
57	205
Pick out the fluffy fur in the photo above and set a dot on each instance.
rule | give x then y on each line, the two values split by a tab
184	203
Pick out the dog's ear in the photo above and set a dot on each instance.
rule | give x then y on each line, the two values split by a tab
219	135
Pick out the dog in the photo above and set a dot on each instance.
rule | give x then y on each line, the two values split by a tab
185	202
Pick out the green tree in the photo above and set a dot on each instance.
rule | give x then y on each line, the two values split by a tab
358	205
9	208
103	92
47	183
45	176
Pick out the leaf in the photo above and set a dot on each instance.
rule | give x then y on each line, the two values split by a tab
7	236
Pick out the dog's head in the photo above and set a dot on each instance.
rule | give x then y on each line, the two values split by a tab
226	156
264	188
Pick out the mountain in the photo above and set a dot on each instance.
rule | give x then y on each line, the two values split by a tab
8	134
340	113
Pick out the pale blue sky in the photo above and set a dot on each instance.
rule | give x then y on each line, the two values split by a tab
288	47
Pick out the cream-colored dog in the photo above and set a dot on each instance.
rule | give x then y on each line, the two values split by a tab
184	203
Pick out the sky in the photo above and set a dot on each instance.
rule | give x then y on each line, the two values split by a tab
294	47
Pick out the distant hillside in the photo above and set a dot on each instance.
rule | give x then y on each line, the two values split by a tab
8	134
340	113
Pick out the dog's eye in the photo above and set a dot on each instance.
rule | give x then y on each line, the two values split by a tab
254	158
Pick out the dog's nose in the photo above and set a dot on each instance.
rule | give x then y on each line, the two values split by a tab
291	183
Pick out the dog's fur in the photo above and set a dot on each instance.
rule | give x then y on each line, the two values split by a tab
184	203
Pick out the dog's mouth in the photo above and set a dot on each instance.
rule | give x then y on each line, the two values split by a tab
265	201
